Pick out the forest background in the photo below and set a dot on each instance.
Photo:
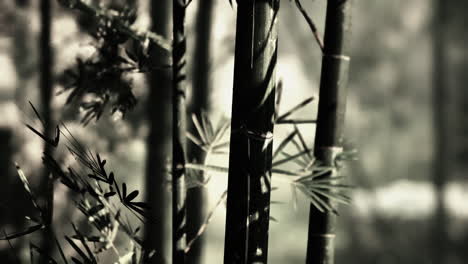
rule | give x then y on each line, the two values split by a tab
389	120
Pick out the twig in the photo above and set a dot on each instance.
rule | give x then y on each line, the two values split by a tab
311	24
295	108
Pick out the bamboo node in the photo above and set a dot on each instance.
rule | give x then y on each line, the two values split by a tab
330	153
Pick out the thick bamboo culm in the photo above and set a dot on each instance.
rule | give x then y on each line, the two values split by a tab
248	201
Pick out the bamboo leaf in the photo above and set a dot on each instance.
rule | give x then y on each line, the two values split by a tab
75	260
37	113
290	158
95	209
78	250
207	127
60	251
42	253
311	199
303	143
83	242
124	191
28	231
279	93
132	196
195	140
333	196
109	194
299	162
295	108
284	143
296	121
141	205
26	185
224	126
199	129
221	145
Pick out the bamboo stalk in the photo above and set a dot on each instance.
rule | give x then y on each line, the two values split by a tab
248	201
158	142
330	121
46	86
197	197
178	132
441	125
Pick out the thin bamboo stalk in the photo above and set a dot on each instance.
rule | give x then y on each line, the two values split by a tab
330	121
46	86
248	201
442	126
178	132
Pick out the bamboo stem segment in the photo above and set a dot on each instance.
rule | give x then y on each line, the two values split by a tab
46	86
441	99
248	201
179	191
330	121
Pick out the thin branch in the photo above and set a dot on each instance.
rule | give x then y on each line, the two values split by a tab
311	23
295	108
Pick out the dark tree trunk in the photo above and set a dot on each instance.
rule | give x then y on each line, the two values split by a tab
197	197
441	124
330	121
158	142
248	201
10	214
46	86
179	191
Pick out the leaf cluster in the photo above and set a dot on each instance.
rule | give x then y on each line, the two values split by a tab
103	81
94	192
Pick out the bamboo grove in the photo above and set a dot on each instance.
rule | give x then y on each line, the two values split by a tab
253	162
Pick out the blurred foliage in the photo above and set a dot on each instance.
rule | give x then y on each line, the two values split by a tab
103	75
93	193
